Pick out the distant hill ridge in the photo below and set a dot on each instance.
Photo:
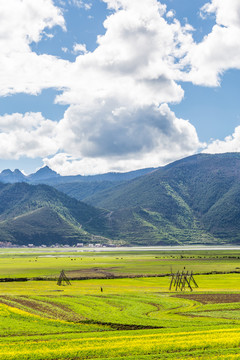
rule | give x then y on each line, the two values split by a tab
195	200
77	186
51	177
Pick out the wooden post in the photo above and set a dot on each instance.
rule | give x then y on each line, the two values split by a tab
193	280
179	281
63	278
171	282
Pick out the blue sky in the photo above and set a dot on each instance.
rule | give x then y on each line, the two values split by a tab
115	85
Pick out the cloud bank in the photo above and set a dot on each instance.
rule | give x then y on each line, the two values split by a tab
119	95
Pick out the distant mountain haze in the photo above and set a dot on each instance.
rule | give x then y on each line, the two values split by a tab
47	175
77	186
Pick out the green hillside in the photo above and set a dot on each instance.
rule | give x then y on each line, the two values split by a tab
42	215
82	189
194	200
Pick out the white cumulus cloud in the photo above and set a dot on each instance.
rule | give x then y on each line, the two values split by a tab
123	140
220	49
231	143
80	48
24	22
136	61
28	135
118	117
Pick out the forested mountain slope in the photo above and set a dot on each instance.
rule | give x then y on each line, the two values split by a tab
196	199
42	215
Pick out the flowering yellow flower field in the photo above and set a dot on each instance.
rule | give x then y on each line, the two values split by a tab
127	318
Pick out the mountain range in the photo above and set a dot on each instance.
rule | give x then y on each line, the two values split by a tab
191	201
77	186
50	177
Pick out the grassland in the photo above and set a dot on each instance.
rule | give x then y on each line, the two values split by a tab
131	318
80	264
